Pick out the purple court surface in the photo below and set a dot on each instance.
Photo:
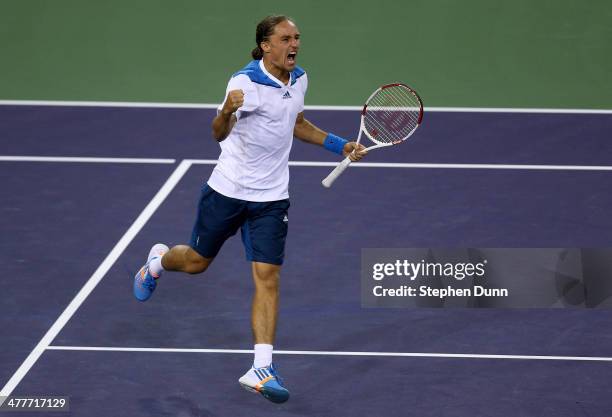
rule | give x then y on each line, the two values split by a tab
181	353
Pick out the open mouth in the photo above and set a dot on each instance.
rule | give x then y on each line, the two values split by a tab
291	57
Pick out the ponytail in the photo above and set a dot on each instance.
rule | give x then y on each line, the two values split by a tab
257	52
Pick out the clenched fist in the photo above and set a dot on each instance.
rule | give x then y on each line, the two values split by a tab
234	100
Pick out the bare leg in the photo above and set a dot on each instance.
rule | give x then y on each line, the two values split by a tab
183	258
265	302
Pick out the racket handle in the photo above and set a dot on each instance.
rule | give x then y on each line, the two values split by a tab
329	180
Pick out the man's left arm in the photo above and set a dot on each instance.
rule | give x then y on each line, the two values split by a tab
309	133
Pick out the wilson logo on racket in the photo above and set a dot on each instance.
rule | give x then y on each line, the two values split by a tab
390	116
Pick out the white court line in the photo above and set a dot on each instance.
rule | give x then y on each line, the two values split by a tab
97	276
335	353
86	159
62	103
433	166
316	163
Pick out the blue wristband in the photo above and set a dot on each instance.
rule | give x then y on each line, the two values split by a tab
334	143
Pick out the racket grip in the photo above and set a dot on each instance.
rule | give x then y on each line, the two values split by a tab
329	180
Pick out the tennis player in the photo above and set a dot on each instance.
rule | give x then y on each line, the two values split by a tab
248	189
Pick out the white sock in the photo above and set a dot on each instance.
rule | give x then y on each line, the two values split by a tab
155	267
263	355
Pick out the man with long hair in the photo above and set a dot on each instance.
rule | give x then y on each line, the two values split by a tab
248	189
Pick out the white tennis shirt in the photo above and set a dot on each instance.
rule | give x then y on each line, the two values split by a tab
253	164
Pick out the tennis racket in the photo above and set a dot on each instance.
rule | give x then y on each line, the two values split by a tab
390	116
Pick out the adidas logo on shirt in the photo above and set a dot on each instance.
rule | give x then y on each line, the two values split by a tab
286	219
286	95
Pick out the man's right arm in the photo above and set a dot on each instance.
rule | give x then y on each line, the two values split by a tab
224	122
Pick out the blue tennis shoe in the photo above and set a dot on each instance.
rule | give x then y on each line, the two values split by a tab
267	382
144	281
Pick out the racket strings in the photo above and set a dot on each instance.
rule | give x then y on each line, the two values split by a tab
392	114
401	95
395	112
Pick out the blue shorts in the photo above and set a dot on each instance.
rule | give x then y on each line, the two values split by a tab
263	226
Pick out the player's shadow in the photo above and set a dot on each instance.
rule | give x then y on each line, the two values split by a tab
174	406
